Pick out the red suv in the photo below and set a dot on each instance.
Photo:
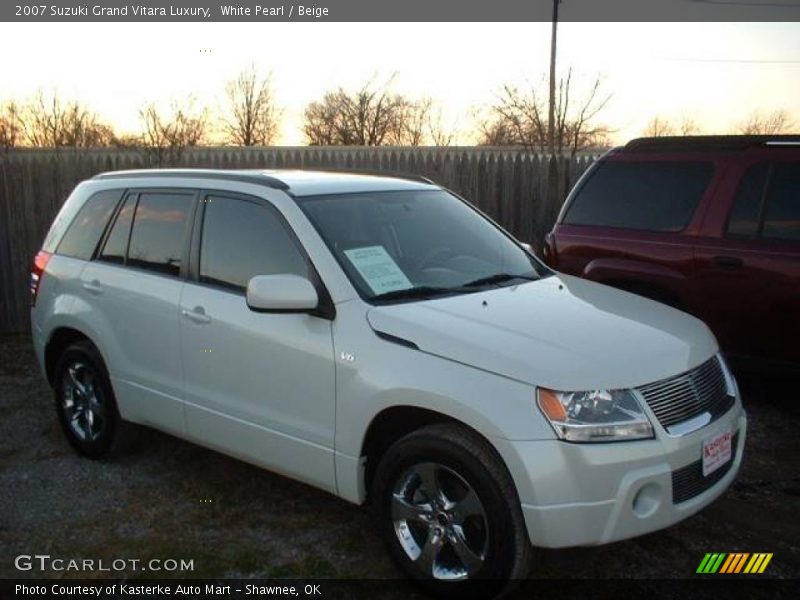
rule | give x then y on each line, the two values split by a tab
708	224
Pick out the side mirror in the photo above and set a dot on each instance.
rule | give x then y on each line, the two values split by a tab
528	248
281	293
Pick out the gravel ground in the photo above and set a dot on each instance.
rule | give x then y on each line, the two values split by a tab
171	499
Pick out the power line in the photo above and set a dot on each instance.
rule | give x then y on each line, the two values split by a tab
760	4
738	60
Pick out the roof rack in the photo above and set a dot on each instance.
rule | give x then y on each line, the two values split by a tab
254	177
374	172
708	142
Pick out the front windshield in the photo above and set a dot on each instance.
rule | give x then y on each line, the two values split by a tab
416	244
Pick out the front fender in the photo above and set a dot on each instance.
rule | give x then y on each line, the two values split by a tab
379	374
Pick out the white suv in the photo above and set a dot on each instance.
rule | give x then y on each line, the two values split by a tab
380	338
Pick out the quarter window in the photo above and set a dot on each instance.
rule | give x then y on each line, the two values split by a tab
651	196
782	212
242	239
116	245
81	238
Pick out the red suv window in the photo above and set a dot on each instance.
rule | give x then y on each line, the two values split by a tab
767	203
782	212
746	212
645	195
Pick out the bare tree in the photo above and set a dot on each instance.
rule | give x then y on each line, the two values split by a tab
322	123
659	127
688	126
516	119
11	126
579	132
519	118
439	133
497	132
772	123
371	116
166	136
129	141
51	122
412	122
253	118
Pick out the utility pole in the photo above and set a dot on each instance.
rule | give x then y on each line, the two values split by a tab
551	125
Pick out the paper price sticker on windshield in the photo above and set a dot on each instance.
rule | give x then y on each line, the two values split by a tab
716	452
378	269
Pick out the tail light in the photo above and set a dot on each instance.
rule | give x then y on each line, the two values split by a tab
37	273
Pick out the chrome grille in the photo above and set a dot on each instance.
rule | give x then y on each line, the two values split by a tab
701	391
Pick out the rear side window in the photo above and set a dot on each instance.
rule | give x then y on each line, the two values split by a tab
81	238
767	203
159	230
745	214
651	196
782	212
242	239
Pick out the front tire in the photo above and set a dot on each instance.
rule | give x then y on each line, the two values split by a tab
85	402
449	512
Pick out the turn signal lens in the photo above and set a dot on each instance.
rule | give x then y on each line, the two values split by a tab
551	406
731	386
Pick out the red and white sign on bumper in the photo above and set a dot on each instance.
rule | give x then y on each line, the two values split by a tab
716	452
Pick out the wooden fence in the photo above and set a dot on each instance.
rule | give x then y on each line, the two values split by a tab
522	191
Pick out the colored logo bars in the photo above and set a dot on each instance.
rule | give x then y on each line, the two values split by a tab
735	562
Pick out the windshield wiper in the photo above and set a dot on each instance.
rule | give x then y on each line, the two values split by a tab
497	278
422	291
427	291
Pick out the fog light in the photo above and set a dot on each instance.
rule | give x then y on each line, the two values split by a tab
647	500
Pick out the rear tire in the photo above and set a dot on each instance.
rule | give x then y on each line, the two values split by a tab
85	403
449	513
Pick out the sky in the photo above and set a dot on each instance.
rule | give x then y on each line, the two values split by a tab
714	73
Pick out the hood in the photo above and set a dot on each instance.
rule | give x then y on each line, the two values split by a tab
559	332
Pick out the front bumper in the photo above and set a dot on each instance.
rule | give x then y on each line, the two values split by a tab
589	494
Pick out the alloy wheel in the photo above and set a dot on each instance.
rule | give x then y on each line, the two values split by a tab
82	402
440	522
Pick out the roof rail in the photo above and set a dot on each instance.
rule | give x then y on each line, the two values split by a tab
252	177
708	142
374	172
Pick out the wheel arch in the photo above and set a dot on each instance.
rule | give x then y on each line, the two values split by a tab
394	422
60	339
654	281
648	289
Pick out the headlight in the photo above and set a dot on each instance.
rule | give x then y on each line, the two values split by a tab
598	416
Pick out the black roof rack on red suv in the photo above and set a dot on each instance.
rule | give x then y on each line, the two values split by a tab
694	143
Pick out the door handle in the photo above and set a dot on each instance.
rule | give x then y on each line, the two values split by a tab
93	287
727	262
198	315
